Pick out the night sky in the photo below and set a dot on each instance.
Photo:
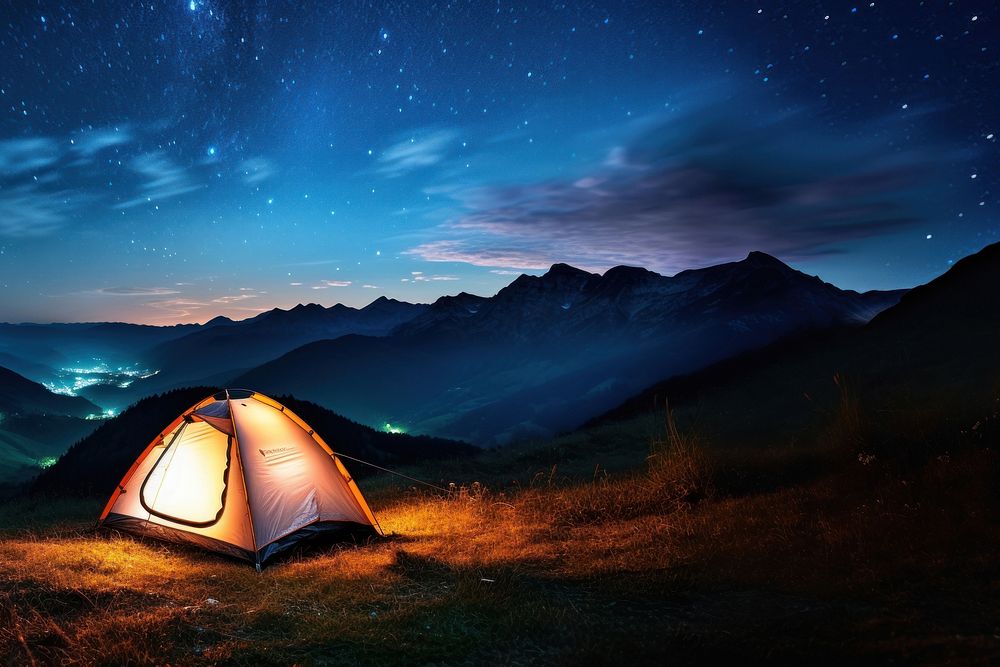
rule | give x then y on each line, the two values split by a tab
167	162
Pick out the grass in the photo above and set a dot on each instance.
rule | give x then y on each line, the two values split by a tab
691	554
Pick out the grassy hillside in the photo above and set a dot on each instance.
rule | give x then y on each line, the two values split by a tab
21	458
627	539
29	443
789	511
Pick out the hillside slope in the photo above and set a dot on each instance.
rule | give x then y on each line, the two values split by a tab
96	464
19	395
933	353
250	342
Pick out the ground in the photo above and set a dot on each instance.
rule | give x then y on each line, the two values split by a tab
673	552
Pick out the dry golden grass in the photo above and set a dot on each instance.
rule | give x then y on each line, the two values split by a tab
689	558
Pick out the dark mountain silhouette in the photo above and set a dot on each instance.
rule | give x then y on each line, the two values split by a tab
60	345
549	351
211	353
933	353
96	463
19	396
35	425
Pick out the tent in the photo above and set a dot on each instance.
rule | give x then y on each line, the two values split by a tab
240	474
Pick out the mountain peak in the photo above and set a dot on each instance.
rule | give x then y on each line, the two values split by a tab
627	273
758	258
305	308
562	269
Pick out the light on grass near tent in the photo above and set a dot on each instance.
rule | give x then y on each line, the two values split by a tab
389	428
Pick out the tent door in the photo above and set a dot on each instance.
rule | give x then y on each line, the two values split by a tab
188	483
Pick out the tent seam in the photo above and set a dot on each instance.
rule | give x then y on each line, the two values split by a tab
246	490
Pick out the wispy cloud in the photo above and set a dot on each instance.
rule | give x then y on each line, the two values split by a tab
163	179
325	284
177	309
233	298
690	191
91	142
243	294
32	203
28	210
133	291
256	170
519	253
421	277
185	308
19	156
416	152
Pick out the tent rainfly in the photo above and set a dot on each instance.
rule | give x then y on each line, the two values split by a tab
239	474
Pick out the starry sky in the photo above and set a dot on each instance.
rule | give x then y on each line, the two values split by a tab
166	162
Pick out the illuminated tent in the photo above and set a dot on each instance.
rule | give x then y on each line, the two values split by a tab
240	474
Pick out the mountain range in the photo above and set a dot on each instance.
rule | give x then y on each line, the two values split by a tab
222	342
932	360
542	355
546	352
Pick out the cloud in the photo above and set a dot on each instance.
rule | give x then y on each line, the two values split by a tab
370	286
233	298
19	156
415	152
244	294
27	210
420	277
186	308
31	168
324	284
134	291
520	254
175	309
90	143
694	190
256	170
163	179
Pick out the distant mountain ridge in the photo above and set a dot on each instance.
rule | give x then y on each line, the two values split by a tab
246	343
570	301
542	355
548	351
188	353
935	351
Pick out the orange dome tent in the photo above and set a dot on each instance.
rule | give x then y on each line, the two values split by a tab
239	474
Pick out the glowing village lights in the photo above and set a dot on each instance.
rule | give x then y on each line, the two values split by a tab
71	380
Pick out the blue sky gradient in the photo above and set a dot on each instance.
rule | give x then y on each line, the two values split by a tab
169	162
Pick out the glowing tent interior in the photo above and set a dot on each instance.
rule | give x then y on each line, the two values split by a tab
238	473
